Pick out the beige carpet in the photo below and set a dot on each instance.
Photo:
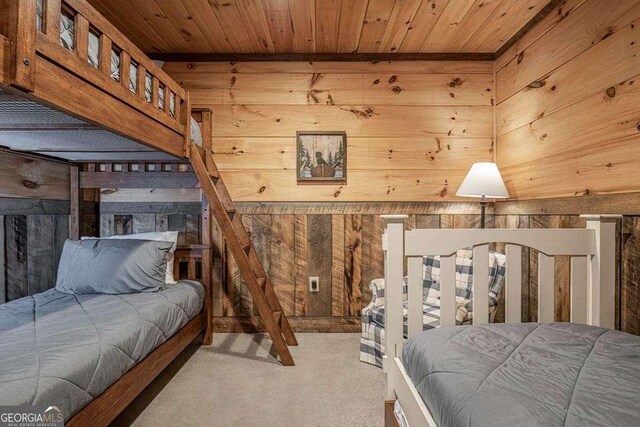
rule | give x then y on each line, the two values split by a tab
236	382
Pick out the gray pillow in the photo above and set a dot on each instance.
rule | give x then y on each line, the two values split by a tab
112	266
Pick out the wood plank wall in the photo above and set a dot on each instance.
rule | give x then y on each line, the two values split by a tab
564	212
413	128
34	222
568	117
338	243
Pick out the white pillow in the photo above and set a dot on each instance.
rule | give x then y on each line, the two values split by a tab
157	236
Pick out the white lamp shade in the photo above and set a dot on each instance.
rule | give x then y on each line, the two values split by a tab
483	180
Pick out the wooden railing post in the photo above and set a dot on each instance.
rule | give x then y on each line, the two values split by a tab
601	285
186	120
206	266
20	22
393	247
74	203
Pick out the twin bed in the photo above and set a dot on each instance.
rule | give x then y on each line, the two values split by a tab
91	353
65	349
532	374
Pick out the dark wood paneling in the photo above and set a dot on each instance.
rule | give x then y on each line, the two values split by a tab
337	265
620	204
16	256
143	223
10	206
372	255
138	180
298	323
187	224
319	228
353	264
40	253
372	208
282	270
158	208
123	224
301	265
3	266
630	292
357	258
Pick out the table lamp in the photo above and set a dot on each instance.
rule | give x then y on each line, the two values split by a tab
483	180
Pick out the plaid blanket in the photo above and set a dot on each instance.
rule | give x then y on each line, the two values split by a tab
372	340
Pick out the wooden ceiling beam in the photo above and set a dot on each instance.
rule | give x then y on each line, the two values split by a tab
319	57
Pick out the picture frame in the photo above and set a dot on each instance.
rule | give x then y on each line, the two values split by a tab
321	157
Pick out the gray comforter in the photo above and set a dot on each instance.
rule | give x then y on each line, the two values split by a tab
527	375
65	350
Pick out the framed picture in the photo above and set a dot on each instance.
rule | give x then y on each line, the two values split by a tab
321	157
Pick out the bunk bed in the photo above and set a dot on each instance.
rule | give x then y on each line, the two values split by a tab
514	373
74	88
66	56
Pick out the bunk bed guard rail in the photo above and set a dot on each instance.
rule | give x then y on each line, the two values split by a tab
75	36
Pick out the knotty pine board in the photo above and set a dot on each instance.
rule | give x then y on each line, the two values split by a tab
356	120
576	80
385	186
244	153
567	124
341	89
32	178
590	23
181	71
413	129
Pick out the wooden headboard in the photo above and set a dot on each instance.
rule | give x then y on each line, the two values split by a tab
188	263
193	262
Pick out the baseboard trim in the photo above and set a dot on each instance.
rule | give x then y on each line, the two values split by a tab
299	324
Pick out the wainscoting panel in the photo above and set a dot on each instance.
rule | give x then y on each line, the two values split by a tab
30	248
339	244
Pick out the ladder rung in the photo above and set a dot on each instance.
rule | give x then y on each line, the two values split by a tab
278	316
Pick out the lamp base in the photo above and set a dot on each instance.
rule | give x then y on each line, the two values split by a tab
483	207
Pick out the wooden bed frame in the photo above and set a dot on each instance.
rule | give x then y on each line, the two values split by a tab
33	63
191	263
592	252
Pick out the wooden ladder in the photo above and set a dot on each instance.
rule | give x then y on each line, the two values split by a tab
243	251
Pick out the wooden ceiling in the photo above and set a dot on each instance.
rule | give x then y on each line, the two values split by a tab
320	26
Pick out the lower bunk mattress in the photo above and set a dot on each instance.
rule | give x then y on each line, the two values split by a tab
529	374
65	350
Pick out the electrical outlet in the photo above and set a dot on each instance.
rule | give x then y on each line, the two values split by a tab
314	284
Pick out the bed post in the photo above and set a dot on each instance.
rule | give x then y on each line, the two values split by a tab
18	24
393	247
207	260
601	283
74	203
